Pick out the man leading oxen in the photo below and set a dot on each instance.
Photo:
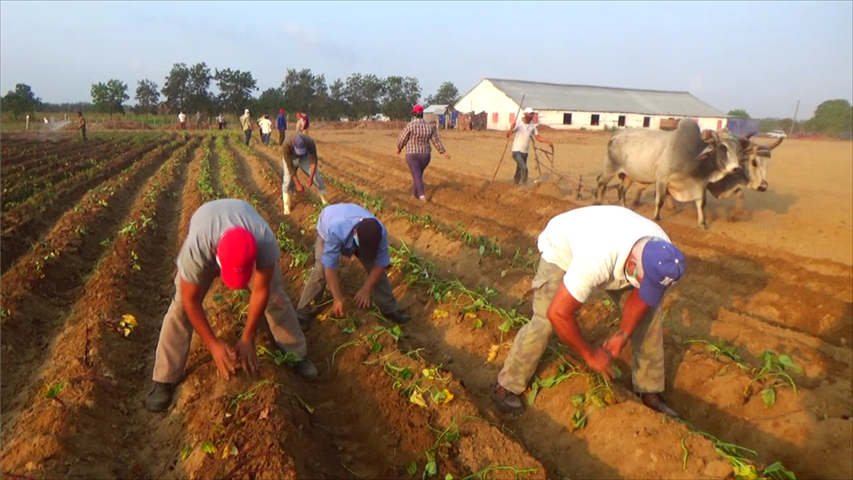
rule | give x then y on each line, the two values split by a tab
681	162
753	175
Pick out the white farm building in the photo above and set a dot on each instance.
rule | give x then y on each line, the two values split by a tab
592	108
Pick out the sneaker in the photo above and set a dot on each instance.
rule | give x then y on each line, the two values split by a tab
160	396
398	316
506	401
422	198
306	370
655	402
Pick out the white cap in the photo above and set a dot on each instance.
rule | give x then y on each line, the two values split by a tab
247	111
528	110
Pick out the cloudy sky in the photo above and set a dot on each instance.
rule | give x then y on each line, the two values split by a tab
760	56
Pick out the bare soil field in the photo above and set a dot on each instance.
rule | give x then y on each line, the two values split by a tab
95	238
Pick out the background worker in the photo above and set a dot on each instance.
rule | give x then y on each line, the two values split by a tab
221	120
265	126
607	247
226	238
182	119
81	124
198	120
246	123
346	229
281	125
523	129
415	138
300	151
302	122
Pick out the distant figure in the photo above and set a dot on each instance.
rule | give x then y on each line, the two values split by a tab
415	138
246	123
81	124
300	152
302	122
523	129
198	120
265	125
182	118
281	125
221	120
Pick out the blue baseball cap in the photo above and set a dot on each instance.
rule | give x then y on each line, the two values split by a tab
663	265
299	147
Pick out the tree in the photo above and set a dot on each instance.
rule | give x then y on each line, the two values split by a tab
399	96
109	97
337	106
832	117
235	89
305	92
739	113
21	101
447	94
147	96
270	101
363	93
176	88
199	97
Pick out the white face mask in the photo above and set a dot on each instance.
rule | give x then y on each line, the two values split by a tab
632	279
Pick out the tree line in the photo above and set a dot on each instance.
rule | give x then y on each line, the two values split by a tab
189	89
832	117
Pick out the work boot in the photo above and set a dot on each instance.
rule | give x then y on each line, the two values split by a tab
160	396
323	197
655	402
506	401
306	370
304	319
285	198
422	198
398	316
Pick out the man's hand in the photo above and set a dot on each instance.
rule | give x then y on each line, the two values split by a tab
299	188
599	360
338	307
446	155
224	357
247	354
362	297
615	344
398	151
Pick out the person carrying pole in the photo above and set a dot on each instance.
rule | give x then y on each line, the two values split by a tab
343	230
415	138
300	152
608	247
227	238
523	129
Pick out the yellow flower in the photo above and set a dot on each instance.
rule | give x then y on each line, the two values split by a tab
447	396
417	399
470	315
129	320
439	314
323	317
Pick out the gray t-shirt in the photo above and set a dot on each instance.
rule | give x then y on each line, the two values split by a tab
197	258
523	132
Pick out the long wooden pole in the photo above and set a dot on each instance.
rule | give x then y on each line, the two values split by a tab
794	123
507	144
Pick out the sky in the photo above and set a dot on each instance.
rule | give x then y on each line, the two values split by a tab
759	56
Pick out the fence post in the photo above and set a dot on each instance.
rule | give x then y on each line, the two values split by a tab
28	122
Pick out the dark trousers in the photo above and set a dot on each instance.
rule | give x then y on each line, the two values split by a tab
382	295
220	125
281	136
248	135
520	168
265	138
417	162
83	132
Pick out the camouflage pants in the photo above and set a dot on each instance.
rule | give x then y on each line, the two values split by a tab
532	339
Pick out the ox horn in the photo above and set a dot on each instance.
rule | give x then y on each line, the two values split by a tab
775	144
709	136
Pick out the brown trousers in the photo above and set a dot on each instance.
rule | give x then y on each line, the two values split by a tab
177	332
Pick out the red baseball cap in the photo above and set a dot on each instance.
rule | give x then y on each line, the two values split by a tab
236	255
418	109
281	110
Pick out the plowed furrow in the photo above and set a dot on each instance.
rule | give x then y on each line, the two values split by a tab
28	221
39	291
91	356
18	160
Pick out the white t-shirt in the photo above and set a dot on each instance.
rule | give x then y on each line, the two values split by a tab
592	245
523	132
266	125
182	117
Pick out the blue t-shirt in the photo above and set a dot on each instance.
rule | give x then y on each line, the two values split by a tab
281	122
336	226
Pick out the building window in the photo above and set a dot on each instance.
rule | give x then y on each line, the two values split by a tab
567	119
512	119
621	120
647	122
495	117
594	119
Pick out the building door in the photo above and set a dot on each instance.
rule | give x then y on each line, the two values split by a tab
719	124
567	119
621	120
647	122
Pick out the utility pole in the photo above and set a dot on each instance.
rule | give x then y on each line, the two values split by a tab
797	109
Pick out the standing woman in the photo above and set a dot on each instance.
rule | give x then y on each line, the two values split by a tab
415	137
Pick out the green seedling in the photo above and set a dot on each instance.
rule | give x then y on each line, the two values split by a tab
685	456
278	357
208	448
185	452
564	372
52	392
773	375
128	229
412	468
247	395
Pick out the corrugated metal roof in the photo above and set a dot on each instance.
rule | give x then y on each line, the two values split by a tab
584	98
436	109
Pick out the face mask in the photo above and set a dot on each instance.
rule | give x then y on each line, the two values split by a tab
632	279
355	238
